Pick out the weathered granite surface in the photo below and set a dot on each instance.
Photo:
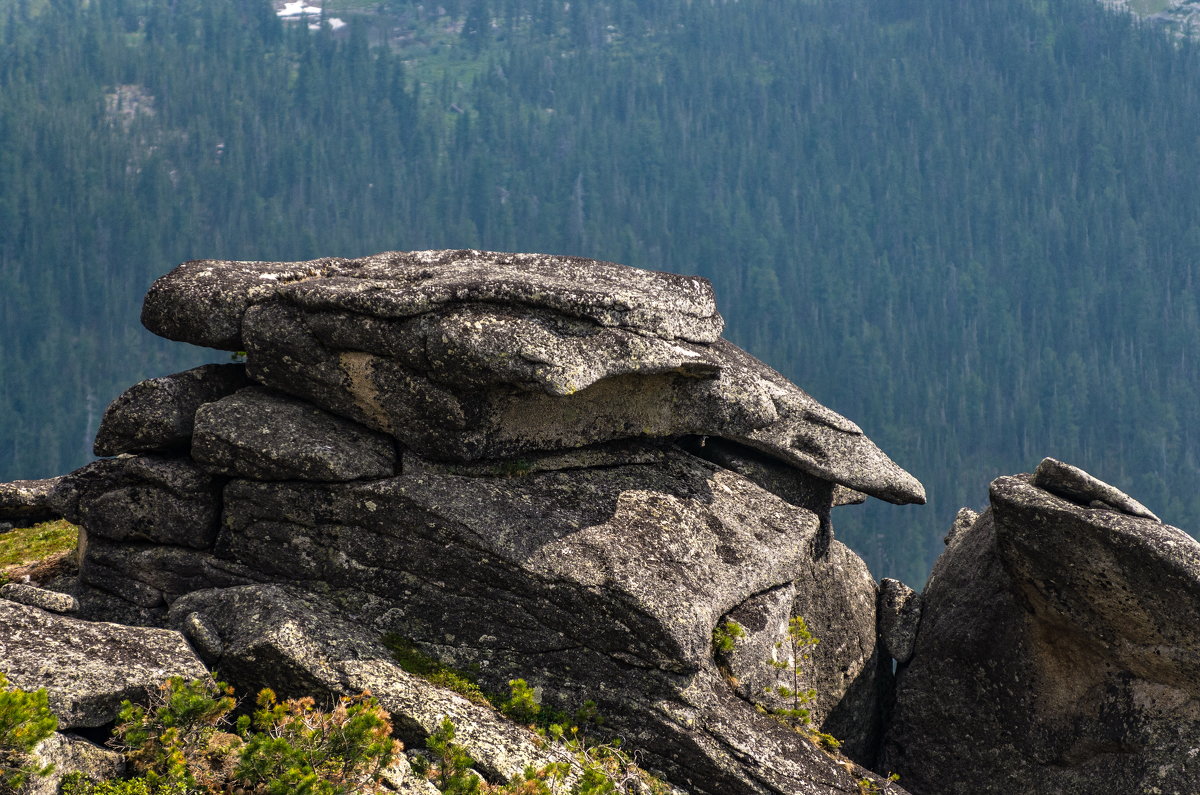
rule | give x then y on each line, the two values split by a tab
150	498
24	503
157	415
259	434
1057	653
530	466
88	668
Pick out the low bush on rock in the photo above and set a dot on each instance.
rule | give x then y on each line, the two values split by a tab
25	720
180	745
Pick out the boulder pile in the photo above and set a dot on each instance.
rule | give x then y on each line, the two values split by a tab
555	469
531	466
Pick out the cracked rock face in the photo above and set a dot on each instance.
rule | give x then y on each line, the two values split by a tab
1057	645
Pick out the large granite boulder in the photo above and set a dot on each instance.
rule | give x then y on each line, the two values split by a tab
530	466
150	498
24	503
157	415
1057	650
68	754
88	668
469	355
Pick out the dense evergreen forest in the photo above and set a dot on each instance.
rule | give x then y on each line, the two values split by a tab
974	228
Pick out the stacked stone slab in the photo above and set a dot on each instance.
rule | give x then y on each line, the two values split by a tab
546	467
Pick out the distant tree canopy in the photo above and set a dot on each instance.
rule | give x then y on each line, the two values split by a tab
974	228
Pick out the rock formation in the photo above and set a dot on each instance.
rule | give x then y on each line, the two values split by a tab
554	469
1058	649
530	466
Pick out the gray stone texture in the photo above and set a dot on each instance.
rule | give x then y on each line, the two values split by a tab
601	583
744	401
30	595
150	498
469	355
24	503
1072	483
203	302
530	466
259	434
299	644
1057	653
69	753
88	668
156	415
899	618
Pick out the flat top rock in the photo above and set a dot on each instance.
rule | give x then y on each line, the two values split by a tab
88	668
259	434
203	301
1074	484
25	501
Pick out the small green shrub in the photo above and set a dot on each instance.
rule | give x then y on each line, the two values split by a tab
25	720
800	642
795	714
180	745
411	659
868	787
76	784
450	768
299	750
603	768
171	743
725	636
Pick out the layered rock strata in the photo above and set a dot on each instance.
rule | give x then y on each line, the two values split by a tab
533	466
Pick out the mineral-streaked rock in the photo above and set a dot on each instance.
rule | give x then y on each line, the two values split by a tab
745	402
266	436
1057	653
203	302
53	601
142	498
88	668
156	415
26	502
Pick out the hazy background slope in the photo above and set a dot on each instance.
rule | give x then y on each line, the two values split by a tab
974	228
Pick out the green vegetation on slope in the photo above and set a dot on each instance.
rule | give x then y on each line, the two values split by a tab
973	228
26	546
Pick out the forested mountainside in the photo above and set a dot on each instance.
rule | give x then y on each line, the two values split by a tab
974	228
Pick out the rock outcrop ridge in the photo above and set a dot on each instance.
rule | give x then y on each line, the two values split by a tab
1057	649
555	469
539	467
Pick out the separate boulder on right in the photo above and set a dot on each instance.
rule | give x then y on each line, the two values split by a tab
1057	650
